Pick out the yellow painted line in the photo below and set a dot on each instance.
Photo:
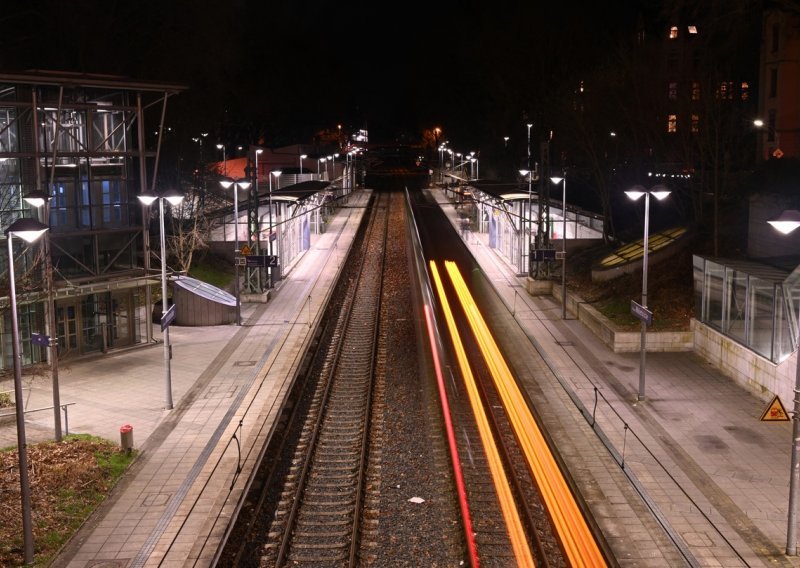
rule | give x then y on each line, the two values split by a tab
516	533
577	540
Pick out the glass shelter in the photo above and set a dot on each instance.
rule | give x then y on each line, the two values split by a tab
754	304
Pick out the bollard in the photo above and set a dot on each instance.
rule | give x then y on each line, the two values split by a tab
126	437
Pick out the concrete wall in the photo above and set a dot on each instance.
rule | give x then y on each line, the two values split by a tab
755	373
623	341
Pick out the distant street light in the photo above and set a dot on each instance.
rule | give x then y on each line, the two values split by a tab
174	198
29	230
320	161
556	180
659	192
224	159
302	157
276	174
237	184
787	222
529	175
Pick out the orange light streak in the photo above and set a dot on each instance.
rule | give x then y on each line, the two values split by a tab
516	533
577	540
451	440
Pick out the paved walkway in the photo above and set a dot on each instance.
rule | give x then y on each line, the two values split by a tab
694	451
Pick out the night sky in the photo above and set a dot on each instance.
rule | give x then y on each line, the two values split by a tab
289	69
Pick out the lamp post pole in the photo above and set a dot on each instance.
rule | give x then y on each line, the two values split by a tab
302	157
174	198
276	174
557	180
164	307
787	222
39	199
29	230
659	192
529	175
224	159
227	183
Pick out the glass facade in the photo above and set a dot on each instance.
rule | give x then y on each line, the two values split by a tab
752	303
76	139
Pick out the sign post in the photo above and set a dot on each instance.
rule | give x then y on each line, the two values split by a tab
641	313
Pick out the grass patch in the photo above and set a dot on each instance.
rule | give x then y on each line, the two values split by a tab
68	481
216	274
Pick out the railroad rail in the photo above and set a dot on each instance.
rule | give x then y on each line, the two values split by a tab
317	520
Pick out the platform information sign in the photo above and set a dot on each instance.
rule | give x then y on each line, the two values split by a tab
261	261
168	317
639	311
538	255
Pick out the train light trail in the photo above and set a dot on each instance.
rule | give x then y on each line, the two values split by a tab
462	492
516	533
577	540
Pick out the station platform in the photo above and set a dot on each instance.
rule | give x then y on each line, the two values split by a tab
689	476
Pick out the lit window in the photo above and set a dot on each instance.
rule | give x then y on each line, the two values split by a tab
745	91
695	123
673	90
673	32
693	30
725	91
672	123
695	91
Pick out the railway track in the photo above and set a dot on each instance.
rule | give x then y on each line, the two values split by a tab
324	492
317	522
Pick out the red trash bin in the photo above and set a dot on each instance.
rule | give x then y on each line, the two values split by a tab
126	437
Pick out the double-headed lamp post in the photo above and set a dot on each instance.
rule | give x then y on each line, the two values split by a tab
302	157
174	198
224	159
557	180
29	230
39	199
659	192
237	184
529	175
276	174
787	222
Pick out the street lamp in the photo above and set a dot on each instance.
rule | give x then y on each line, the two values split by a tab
224	159
659	192
787	222
38	199
557	180
319	161
302	157
330	159
174	198
29	230
529	174
237	184
276	174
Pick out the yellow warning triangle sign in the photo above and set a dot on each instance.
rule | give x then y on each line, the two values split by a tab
775	411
